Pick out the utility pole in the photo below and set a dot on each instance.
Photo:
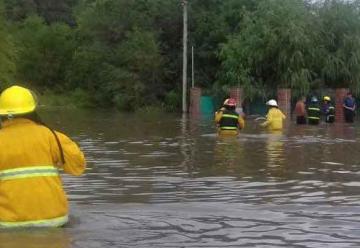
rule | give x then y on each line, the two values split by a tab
192	68
184	80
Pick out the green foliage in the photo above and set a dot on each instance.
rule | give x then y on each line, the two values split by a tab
172	101
77	98
151	111
274	48
43	52
119	60
50	10
7	53
340	43
127	54
211	22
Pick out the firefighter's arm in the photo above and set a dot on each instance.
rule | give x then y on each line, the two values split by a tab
218	115
241	122
74	161
267	122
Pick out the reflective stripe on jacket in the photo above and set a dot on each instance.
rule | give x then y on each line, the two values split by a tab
229	122
54	222
314	112
35	171
31	192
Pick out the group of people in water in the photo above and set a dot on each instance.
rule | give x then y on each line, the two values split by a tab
32	153
230	122
311	111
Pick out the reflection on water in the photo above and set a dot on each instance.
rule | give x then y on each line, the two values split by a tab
169	181
38	238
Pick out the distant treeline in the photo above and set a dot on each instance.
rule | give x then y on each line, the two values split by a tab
128	53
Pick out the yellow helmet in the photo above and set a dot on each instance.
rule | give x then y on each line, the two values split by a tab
16	100
327	98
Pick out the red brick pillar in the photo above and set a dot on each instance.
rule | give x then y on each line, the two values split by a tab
237	94
340	94
195	95
284	101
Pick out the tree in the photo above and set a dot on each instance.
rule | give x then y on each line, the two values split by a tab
118	59
44	52
7	52
50	10
340	43
273	48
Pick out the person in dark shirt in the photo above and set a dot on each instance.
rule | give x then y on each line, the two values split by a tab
349	108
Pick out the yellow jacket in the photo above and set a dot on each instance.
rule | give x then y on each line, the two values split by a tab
31	192
240	124
274	119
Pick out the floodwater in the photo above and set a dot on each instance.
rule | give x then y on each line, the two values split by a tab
169	181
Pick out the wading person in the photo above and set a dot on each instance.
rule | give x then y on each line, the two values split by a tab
300	111
313	111
31	193
349	108
328	110
229	122
274	117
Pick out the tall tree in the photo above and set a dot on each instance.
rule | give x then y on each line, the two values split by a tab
339	26
274	47
44	52
51	10
118	59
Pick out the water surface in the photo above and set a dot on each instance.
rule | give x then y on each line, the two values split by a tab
169	181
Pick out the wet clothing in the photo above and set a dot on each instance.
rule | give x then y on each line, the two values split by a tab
313	112
301	120
274	119
349	109
300	112
31	192
328	111
229	122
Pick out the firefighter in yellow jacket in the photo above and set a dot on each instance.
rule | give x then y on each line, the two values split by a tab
274	117
31	192
229	122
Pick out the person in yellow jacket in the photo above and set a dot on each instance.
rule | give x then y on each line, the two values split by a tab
274	117
229	122
31	192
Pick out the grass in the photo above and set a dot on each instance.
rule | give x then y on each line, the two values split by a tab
74	99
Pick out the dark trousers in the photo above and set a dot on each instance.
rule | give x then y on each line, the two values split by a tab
349	115
300	120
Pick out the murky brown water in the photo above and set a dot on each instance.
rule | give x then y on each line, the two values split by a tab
165	181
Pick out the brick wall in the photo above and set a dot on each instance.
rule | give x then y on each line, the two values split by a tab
340	94
284	101
195	95
237	94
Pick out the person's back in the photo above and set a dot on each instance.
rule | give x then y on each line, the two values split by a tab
228	120
349	108
31	155
274	117
300	111
314	112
